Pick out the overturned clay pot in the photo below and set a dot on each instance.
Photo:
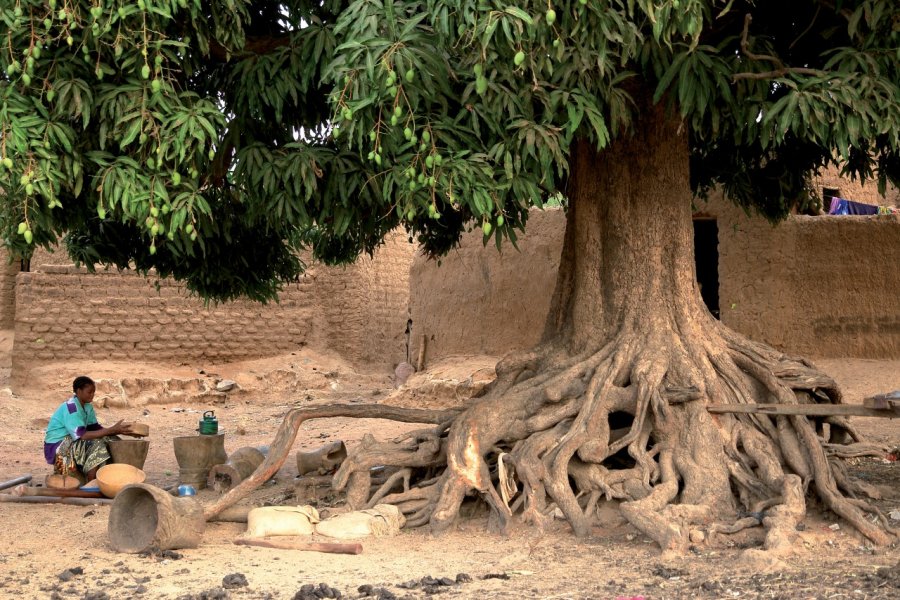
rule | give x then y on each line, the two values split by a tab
145	517
323	460
239	466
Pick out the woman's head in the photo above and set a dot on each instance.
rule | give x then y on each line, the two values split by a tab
84	388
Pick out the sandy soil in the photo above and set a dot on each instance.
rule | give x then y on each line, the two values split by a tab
52	551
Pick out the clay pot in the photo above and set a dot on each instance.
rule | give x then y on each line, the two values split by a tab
112	478
239	466
144	517
129	452
196	455
326	458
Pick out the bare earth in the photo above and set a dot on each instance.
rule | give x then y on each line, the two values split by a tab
39	543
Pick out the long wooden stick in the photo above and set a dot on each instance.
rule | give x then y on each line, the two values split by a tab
14	482
25	490
290	426
54	500
328	547
811	410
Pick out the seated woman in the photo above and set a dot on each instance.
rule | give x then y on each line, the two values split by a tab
75	443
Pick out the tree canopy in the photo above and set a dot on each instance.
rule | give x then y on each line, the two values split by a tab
213	140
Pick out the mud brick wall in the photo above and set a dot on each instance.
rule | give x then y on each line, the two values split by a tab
819	286
364	307
63	312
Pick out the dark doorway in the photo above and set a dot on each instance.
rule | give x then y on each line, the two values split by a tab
706	255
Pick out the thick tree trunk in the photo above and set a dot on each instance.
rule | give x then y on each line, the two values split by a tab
627	258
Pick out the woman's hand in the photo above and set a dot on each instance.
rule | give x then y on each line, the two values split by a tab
121	428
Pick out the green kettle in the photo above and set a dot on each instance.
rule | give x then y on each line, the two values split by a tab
209	424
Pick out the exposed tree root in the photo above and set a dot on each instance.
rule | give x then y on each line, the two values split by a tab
625	422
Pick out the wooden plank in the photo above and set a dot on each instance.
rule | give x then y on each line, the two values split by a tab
810	410
882	402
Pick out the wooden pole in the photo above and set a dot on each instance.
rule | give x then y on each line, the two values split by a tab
809	410
24	490
327	547
14	482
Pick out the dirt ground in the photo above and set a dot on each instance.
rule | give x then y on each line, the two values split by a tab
53	551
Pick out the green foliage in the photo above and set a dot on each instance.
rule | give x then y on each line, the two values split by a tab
213	140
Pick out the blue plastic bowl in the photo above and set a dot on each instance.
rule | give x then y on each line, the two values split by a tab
186	490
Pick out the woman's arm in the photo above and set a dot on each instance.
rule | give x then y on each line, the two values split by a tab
120	428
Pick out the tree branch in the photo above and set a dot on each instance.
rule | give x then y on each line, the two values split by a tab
781	69
257	45
775	74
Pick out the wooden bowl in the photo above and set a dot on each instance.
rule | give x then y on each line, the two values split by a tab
140	429
62	482
112	478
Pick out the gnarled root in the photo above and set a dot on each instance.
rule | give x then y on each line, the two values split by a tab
627	421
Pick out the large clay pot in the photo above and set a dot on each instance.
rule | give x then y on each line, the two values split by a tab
145	517
196	455
129	452
239	466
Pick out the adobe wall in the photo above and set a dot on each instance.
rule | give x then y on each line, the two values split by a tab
480	301
820	286
63	312
824	286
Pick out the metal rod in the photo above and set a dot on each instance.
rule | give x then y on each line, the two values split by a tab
54	500
15	482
